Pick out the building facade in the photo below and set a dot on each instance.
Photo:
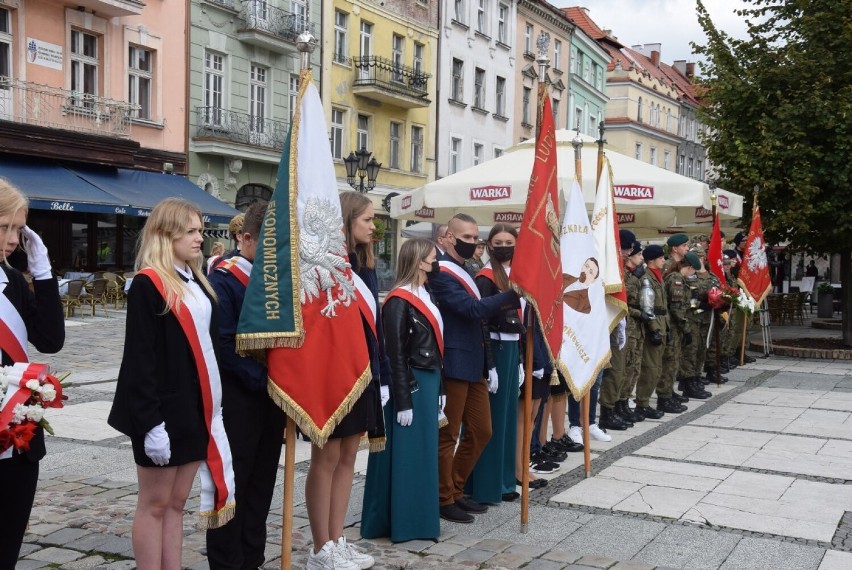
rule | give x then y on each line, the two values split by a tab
587	97
476	78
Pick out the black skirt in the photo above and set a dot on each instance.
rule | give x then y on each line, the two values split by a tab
362	417
184	450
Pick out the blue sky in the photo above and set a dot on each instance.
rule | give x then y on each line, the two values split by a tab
672	23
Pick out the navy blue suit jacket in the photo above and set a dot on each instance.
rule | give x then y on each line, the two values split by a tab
462	313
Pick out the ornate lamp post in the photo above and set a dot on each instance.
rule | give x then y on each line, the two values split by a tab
361	164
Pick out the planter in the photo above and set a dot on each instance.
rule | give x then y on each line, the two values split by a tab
825	306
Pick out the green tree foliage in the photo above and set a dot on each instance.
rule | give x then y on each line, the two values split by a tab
779	111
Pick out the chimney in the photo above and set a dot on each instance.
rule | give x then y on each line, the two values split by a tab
655	58
690	70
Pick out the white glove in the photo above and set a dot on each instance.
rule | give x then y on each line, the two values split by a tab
520	375
405	418
538	373
385	394
621	333
157	446
492	381
442	403
38	263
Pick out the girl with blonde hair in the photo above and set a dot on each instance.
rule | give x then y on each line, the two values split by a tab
168	397
32	317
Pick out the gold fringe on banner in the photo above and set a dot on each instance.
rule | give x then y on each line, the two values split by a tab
318	435
216	519
250	342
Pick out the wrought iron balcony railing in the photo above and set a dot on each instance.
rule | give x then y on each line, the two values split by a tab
216	123
55	108
259	15
384	73
225	3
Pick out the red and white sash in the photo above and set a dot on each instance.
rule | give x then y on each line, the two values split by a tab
419	299
238	266
217	473
13	331
366	303
488	273
461	275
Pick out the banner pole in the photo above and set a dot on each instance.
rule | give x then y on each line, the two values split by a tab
527	431
585	405
287	499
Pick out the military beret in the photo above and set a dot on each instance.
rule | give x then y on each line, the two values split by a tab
653	252
635	248
626	238
677	239
693	260
739	237
729	254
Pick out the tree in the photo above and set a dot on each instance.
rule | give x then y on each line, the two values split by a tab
779	107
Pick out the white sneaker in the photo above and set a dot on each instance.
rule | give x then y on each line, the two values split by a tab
598	434
576	434
353	555
329	558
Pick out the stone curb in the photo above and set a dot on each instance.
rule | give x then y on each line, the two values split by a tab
799	352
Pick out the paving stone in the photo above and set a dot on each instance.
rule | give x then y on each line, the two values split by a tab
597	561
89	542
764	553
543	564
493	545
415	545
117	545
65	536
632	565
526	550
615	537
473	555
835	560
445	549
563	556
507	560
121	565
685	547
26	548
53	555
84	563
30	564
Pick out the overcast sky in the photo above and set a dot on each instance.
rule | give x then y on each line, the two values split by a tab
672	23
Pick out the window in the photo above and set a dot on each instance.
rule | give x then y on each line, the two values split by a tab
479	88
455	155
500	102
528	33
557	53
477	153
598	78
139	80
587	69
481	17
214	83
573	62
294	94
459	11
554	109
397	44
84	66
639	114
363	135
251	193
337	133
416	149
638	155
340	32
257	98
502	22
680	164
5	46
366	47
458	80
667	160
578	118
300	10
418	58
525	115
668	119
498	152
593	125
653	159
395	135
689	166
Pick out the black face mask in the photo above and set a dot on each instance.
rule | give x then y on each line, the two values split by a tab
436	267
464	249
504	253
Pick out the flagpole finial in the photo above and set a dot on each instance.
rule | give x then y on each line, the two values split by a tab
577	143
713	198
306	43
543	61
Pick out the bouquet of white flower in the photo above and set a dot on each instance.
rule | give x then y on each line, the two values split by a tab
26	391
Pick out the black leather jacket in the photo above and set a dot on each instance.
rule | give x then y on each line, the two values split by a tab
409	343
509	321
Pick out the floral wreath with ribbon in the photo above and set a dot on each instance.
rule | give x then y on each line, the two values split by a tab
27	389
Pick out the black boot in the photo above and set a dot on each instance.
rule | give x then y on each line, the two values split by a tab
682	398
650	412
723	365
610	420
748	359
732	361
617	412
625	412
670	406
711	376
695	389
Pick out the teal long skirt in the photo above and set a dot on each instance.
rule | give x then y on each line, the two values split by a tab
401	489
494	474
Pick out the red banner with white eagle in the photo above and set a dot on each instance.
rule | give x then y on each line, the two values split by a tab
754	275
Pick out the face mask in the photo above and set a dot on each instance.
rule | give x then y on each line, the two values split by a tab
464	249
436	267
503	253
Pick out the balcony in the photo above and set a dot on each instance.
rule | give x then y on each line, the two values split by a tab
270	27
231	133
383	80
46	106
109	8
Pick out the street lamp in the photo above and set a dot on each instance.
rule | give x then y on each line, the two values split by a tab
361	165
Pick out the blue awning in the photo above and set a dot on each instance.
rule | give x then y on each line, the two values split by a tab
49	186
143	190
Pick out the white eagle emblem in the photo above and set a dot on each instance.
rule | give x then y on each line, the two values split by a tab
323	263
756	255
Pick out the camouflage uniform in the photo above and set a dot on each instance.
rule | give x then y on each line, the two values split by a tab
678	297
635	336
652	354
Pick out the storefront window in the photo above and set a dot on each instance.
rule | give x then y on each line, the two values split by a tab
385	251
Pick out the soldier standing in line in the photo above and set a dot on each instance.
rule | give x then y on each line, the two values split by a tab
692	354
652	299
633	270
678	246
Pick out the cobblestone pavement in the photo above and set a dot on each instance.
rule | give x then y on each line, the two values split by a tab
756	477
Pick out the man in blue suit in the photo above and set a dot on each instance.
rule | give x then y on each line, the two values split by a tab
467	378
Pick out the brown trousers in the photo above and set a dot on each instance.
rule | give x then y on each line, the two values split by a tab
468	405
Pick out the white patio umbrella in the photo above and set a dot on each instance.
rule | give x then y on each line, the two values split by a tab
648	198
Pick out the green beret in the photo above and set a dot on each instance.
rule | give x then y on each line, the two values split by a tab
693	260
677	239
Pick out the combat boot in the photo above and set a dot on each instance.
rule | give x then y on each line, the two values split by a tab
682	398
670	406
711	376
625	412
617	413
610	420
732	361
650	412
695	389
